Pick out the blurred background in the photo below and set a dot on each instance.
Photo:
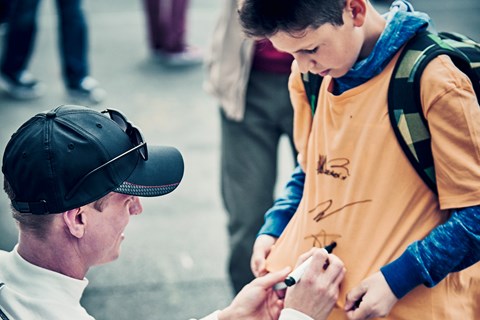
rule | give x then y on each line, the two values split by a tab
173	258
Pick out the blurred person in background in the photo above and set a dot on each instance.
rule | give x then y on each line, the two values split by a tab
19	42
166	27
4	10
249	80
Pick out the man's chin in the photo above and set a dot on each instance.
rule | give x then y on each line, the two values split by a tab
112	257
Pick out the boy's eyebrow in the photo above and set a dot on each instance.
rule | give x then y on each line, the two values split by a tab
301	50
308	47
297	51
276	48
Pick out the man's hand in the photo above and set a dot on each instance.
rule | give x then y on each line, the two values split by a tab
257	300
261	250
317	291
372	298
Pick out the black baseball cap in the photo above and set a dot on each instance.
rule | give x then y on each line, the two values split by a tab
72	155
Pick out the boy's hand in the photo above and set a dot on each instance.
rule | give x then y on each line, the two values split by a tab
261	250
372	298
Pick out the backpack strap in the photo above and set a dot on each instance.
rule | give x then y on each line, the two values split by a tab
312	83
471	49
404	104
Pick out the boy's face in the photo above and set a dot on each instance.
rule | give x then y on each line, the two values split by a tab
327	50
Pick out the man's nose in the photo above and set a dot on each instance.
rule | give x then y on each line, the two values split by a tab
135	207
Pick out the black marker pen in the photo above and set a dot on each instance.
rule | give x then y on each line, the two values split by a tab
296	274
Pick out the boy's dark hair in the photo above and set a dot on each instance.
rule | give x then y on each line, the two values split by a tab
264	18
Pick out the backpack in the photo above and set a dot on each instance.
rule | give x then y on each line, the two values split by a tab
404	106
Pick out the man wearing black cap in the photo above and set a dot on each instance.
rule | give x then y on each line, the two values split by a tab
74	176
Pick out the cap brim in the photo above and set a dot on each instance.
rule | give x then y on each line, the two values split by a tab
159	175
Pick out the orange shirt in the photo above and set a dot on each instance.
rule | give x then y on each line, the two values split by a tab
361	191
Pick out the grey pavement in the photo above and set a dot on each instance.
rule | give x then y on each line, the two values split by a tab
173	258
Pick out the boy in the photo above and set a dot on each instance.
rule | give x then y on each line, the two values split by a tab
359	189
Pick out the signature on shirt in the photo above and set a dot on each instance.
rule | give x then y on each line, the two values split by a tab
324	209
337	168
322	238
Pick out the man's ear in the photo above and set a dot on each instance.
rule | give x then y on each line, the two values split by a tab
357	9
76	221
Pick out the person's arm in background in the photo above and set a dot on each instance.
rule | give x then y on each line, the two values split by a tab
276	219
426	262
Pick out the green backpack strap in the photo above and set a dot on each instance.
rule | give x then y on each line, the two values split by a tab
405	111
471	50
312	83
404	105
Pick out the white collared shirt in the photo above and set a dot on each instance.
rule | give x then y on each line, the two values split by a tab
31	292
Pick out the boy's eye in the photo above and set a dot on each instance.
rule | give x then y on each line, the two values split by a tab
311	51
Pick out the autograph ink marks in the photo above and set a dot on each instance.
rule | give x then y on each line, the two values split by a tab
336	168
324	209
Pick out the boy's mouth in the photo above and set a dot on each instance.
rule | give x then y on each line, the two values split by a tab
324	72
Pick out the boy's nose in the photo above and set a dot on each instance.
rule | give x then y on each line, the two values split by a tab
305	64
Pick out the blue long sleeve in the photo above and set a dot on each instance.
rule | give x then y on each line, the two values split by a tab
450	247
278	216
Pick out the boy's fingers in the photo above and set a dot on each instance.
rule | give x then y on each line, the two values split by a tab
354	296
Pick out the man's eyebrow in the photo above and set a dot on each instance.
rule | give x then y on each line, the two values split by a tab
99	205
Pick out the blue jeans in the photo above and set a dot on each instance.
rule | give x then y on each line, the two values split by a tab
21	32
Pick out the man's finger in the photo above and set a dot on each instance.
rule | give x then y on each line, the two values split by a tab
310	253
270	279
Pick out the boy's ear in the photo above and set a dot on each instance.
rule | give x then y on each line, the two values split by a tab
357	9
76	221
